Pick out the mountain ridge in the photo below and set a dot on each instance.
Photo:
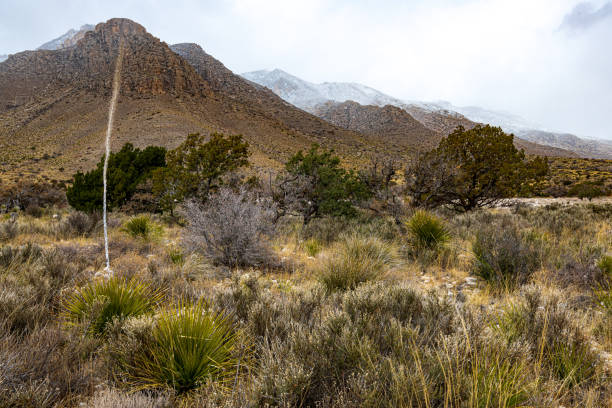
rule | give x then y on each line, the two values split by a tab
441	116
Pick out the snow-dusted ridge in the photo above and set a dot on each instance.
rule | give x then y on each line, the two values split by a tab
68	39
307	95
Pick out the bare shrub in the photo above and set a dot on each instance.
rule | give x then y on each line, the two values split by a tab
231	228
34	210
8	230
581	269
44	369
78	224
503	256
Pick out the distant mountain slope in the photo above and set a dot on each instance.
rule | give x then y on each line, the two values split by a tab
396	126
442	117
595	149
53	105
3	57
70	38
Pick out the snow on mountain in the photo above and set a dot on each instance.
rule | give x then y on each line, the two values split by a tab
68	39
307	95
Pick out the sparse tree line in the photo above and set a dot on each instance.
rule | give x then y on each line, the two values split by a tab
469	169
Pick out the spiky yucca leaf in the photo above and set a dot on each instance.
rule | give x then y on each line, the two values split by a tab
142	227
427	230
99	303
190	346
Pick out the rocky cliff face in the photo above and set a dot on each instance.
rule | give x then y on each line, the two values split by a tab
149	67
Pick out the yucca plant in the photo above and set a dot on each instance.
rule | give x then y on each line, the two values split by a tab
99	303
355	260
141	227
176	256
428	231
190	346
605	264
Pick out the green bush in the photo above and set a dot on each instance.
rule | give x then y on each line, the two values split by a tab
190	346
428	231
97	304
355	260
141	227
127	168
316	185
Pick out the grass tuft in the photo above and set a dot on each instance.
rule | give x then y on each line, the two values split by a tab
355	260
142	227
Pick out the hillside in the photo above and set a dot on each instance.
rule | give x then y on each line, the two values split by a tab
53	105
596	149
394	124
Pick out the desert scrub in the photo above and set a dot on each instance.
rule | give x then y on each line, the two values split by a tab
503	257
97	304
8	230
190	346
78	224
231	228
548	329
605	264
355	260
142	227
427	230
176	256
312	247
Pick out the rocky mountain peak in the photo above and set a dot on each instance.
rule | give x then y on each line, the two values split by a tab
121	27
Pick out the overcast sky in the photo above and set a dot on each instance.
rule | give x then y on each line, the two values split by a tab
549	61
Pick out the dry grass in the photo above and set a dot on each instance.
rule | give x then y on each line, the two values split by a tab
426	333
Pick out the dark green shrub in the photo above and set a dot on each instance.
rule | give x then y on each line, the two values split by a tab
127	168
316	185
196	167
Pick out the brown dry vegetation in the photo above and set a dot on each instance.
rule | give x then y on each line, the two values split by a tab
421	327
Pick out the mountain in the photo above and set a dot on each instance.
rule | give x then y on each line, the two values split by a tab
3	57
53	105
70	38
596	149
441	117
389	122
